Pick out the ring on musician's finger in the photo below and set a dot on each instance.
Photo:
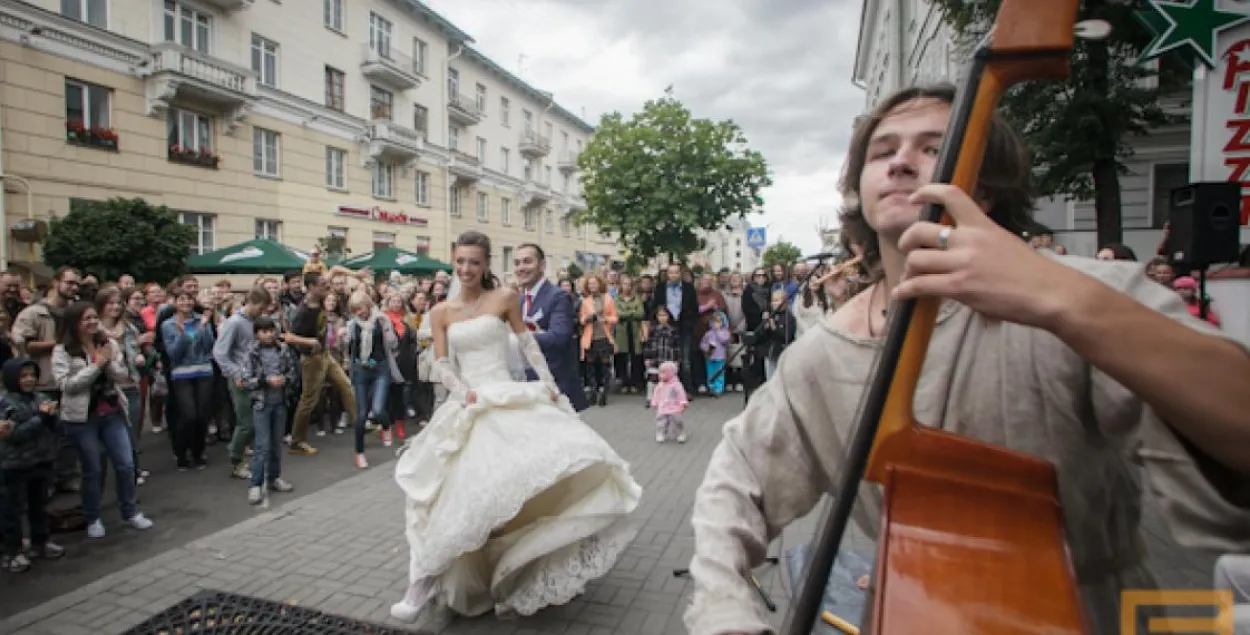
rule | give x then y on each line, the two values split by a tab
944	238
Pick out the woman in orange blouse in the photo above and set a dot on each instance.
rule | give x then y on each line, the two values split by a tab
598	318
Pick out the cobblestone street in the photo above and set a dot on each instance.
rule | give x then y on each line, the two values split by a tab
341	550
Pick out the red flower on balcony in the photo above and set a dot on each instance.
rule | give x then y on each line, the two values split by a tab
203	157
78	133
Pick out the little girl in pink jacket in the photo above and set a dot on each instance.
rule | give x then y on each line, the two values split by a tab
669	401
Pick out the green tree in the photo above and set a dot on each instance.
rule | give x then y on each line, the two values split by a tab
1080	131
780	253
109	238
659	178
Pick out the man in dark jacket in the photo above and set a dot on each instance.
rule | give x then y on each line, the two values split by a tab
682	302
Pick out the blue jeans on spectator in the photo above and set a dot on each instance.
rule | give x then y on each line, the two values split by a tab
99	434
268	426
131	393
372	387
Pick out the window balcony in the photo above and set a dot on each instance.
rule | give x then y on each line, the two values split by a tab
568	161
229	6
463	110
389	142
465	169
178	73
391	68
534	145
534	194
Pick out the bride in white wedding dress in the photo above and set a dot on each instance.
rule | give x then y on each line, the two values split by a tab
513	503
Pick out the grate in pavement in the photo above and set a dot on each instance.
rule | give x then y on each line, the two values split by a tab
211	612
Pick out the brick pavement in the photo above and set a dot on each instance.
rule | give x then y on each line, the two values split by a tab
342	550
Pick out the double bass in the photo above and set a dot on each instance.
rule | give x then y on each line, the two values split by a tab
972	538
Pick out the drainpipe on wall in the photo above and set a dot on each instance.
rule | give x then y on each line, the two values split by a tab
447	143
900	73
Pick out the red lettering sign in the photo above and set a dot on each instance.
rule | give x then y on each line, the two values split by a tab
381	215
1237	147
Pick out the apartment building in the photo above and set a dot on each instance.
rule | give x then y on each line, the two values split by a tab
905	42
374	120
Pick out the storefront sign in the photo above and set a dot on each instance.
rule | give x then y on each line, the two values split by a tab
376	213
1221	117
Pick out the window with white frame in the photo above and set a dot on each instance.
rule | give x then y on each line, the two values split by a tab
505	211
547	130
453	83
336	168
265	152
453	137
187	26
551	222
547	175
1165	178
269	229
481	150
335	89
420	53
505	107
529	219
87	104
481	98
382	240
503	160
93	12
383	180
528	118
483	206
421	188
507	259
564	224
528	171
190	130
564	187
453	201
204	225
564	141
265	60
421	121
381	103
380	30
332	14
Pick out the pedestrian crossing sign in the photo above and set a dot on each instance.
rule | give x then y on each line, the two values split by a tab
756	237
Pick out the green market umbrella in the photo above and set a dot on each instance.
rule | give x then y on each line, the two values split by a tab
389	259
254	256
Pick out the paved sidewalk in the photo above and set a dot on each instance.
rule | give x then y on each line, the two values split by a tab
342	551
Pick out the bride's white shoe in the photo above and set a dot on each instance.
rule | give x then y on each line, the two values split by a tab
415	600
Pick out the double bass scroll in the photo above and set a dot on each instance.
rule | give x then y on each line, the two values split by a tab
972	537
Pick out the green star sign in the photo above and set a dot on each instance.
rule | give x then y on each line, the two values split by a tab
1189	28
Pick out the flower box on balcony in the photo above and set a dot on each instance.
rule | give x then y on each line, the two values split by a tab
93	137
191	156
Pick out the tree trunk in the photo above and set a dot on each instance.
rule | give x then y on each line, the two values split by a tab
1104	171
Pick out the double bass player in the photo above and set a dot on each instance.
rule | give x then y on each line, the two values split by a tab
1066	358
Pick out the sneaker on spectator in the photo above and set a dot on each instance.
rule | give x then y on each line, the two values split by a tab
95	529
280	485
253	495
140	522
302	448
241	472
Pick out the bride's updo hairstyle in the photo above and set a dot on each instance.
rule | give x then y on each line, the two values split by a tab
481	241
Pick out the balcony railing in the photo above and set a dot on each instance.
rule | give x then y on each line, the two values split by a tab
534	144
389	66
179	73
463	109
393	143
175	58
568	160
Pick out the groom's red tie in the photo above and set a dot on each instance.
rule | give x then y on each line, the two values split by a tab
529	297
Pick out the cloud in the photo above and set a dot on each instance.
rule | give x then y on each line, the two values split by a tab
780	68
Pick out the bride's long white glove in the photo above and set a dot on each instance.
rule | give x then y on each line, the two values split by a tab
447	375
534	355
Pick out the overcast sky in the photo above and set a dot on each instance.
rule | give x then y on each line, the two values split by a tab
780	68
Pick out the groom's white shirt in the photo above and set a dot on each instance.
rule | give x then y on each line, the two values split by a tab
533	294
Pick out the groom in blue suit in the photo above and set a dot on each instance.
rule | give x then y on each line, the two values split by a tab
548	310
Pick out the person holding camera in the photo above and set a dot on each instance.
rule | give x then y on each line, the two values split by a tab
86	367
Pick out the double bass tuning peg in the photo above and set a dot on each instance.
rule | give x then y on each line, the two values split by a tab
1093	29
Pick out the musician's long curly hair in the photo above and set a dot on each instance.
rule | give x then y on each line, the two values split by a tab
1005	179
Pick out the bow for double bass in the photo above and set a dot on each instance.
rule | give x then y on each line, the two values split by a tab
972	539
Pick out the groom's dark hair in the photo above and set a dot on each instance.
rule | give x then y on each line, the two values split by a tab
542	255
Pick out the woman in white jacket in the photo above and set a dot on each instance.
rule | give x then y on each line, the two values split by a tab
87	368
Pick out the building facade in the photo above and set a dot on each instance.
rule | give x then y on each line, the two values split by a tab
905	42
372	120
724	249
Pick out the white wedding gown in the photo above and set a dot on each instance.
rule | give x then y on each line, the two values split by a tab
513	503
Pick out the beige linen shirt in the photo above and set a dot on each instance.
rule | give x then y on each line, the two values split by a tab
1001	383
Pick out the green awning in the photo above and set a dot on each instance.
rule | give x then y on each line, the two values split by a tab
388	259
254	256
